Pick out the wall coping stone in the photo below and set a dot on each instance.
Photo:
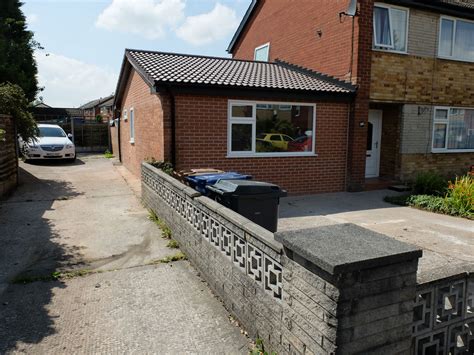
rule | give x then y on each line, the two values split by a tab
346	247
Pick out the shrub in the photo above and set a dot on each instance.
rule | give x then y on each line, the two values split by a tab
108	154
460	197
397	200
429	183
427	202
165	166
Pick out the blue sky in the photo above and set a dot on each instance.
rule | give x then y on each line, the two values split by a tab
84	40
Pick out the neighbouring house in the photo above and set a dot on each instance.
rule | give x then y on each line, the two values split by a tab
412	62
106	109
276	121
94	108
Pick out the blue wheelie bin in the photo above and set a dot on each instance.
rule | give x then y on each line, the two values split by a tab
199	182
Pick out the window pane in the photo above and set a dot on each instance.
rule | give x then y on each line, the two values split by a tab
382	26
241	137
242	110
446	39
441	114
399	25
464	41
262	53
439	136
461	129
284	130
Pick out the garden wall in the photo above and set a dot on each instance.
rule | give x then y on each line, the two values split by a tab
334	289
8	156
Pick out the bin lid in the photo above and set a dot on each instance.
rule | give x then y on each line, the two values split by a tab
211	179
247	187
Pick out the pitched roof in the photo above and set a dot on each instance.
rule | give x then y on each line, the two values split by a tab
108	102
159	68
468	4
96	102
242	24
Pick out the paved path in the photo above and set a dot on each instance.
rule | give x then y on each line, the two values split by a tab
447	242
86	216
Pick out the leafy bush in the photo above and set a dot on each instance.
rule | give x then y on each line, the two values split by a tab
108	154
13	102
397	200
2	134
429	183
459	199
427	202
165	166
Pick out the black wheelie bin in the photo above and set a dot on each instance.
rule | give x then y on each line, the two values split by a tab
255	200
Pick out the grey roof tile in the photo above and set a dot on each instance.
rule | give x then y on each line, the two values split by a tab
163	68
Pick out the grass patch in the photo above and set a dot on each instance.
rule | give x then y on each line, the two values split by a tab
259	348
170	258
165	230
108	154
57	275
173	244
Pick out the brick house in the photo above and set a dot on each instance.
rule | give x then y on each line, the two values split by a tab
97	107
276	121
413	64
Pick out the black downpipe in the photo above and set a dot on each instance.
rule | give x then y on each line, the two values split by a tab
119	142
173	127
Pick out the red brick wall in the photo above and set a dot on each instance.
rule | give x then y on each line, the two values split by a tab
291	27
149	140
201	131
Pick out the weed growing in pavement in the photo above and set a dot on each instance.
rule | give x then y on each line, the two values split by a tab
173	244
57	275
259	348
165	230
170	258
108	154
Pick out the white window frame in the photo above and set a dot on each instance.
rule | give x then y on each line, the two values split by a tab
132	125
384	47
447	122
253	121
261	47
453	39
125	115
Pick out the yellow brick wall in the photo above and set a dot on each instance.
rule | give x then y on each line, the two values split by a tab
414	79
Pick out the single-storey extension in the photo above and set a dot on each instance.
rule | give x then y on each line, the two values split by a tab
276	121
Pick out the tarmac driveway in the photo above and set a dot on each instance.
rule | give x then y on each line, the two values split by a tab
86	216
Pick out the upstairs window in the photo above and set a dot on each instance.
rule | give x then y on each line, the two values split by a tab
453	130
456	39
390	28
262	53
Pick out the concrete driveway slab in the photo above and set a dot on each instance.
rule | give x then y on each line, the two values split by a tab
87	216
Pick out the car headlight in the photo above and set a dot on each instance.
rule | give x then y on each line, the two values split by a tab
69	146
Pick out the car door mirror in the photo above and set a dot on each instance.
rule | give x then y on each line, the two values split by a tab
69	135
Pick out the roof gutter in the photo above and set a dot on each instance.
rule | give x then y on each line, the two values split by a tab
444	8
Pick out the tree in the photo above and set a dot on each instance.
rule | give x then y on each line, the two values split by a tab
14	102
17	64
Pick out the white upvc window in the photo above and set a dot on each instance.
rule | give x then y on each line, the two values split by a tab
132	125
390	28
453	130
456	39
262	53
257	128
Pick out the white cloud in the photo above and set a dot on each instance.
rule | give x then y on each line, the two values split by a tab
209	27
149	18
69	82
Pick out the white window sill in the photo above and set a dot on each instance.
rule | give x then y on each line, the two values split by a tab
270	155
454	59
444	151
132	141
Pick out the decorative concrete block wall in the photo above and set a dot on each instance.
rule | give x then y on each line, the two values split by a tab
331	290
8	157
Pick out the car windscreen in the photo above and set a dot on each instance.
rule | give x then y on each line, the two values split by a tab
51	132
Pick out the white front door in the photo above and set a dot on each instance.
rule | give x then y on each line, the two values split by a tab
374	136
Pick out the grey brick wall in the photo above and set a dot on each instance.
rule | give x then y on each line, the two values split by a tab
423	33
294	306
416	130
